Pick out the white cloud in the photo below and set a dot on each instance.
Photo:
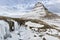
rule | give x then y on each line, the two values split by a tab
50	2
23	7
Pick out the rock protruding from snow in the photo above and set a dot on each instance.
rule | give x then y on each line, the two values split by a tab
35	25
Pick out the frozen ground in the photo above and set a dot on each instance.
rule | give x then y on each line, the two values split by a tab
23	33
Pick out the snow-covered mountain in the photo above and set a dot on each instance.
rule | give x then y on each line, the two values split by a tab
37	24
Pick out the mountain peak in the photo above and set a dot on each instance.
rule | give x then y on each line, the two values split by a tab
39	9
38	4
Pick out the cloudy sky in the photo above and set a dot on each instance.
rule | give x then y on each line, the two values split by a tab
11	6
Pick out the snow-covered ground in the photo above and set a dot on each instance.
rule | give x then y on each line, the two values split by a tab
22	33
53	22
